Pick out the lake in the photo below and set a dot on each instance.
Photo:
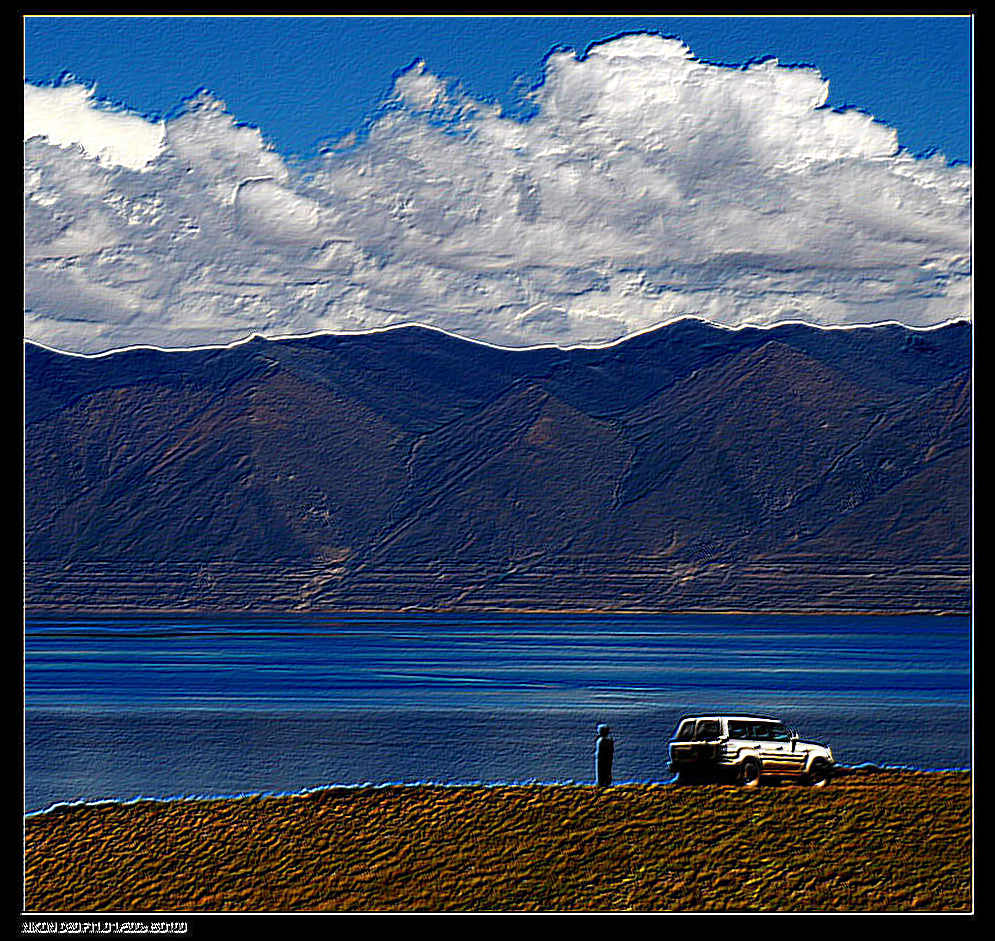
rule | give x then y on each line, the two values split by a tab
168	706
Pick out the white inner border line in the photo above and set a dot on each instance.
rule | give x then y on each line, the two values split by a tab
608	344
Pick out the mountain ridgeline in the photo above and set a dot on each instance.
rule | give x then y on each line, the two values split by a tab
688	468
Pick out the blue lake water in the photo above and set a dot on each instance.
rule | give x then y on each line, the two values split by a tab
167	706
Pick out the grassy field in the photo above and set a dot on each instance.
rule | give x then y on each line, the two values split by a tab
888	841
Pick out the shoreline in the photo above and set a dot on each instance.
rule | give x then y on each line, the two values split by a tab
36	610
871	841
640	586
842	772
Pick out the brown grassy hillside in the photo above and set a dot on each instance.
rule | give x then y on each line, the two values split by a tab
887	841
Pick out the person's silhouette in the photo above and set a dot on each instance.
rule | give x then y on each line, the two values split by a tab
604	752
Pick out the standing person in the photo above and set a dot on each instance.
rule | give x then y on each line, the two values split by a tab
604	752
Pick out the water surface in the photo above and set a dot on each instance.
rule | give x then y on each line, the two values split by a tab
120	707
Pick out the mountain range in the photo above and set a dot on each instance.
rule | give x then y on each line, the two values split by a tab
687	468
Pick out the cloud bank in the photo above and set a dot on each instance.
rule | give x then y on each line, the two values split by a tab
647	186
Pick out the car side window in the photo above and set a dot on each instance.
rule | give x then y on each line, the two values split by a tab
707	728
740	730
780	733
762	732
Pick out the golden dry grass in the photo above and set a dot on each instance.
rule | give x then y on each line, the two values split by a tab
882	842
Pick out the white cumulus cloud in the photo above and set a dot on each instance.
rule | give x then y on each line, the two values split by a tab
647	186
65	116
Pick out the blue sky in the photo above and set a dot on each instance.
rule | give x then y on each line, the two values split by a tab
516	181
303	80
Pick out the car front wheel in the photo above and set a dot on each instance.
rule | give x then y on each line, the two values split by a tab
818	775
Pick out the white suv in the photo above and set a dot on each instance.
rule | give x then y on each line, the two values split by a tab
743	749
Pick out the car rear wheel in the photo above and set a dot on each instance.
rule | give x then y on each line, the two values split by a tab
749	772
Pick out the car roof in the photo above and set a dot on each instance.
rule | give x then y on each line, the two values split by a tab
732	715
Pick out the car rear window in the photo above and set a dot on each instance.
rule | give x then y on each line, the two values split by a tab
685	731
706	729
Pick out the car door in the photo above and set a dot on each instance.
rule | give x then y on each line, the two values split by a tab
741	738
765	747
784	757
707	733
